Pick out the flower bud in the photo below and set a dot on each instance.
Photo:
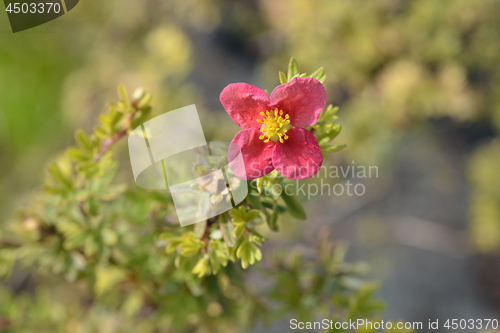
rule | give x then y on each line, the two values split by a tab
31	225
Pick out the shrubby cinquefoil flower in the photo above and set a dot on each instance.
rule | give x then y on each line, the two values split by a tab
272	135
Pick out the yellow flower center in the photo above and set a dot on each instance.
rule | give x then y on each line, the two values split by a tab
274	126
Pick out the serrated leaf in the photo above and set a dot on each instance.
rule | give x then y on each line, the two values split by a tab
294	207
293	68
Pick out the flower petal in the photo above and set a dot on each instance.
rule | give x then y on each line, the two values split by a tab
299	156
244	103
302	98
256	159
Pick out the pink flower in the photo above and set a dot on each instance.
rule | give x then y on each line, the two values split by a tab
272	136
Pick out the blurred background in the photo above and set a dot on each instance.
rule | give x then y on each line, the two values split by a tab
417	83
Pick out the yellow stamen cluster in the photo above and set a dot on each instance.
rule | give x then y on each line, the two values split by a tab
274	126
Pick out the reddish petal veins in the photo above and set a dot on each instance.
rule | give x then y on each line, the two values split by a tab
256	158
302	98
299	157
244	102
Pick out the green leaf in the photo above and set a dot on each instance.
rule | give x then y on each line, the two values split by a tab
133	303
294	207
101	132
106	123
109	237
217	256
83	140
251	215
115	117
246	255
283	78
273	221
88	169
238	214
201	268
253	199
260	184
239	230
122	92
318	74
77	155
91	246
281	208
75	241
58	175
227	229
51	190
330	135
258	236
145	101
107	277
172	243
191	245
293	68
200	228
180	262
257	253
332	148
